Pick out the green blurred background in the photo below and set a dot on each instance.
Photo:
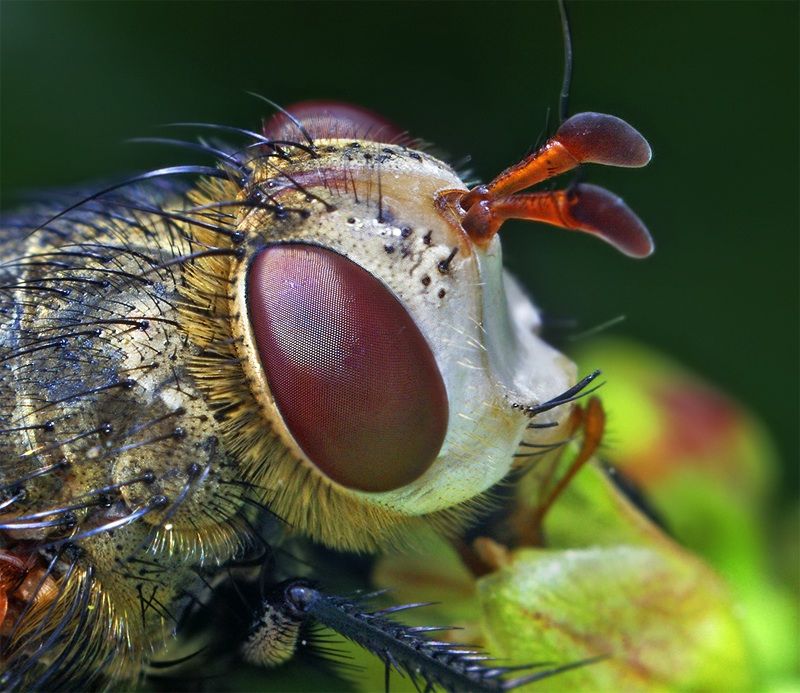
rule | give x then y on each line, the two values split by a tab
713	85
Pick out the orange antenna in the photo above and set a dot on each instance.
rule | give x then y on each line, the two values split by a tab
584	138
584	207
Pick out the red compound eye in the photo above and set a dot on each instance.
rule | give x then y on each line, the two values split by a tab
334	120
354	379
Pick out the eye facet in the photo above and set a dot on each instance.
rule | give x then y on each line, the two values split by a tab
352	375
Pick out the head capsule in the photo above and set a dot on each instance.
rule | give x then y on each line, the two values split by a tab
393	364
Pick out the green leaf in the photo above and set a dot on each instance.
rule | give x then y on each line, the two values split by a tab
664	622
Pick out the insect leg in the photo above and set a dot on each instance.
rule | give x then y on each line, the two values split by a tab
406	649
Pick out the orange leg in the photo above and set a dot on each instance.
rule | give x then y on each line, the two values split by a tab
12	572
22	580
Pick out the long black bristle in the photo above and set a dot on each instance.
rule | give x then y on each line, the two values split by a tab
577	391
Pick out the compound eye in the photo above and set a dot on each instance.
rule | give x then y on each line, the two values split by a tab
354	379
334	120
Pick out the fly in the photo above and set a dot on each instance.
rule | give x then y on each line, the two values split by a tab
311	339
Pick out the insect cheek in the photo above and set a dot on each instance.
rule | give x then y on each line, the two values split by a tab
351	374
